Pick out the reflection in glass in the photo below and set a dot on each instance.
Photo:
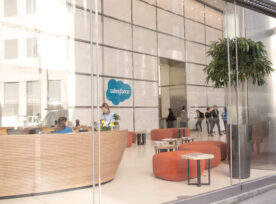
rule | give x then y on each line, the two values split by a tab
10	8
11	105
33	103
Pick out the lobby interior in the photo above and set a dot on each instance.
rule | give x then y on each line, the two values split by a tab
145	57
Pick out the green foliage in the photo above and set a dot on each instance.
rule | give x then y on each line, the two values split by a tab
105	128
116	123
116	117
253	62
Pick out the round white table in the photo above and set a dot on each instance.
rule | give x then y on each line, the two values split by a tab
162	146
187	139
171	141
198	157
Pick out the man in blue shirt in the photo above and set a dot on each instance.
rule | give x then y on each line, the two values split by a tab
62	126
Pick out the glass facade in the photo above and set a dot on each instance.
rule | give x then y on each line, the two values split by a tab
148	60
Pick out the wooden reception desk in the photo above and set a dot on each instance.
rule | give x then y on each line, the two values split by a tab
31	164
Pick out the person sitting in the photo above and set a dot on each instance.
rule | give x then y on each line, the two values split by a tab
77	123
107	116
62	126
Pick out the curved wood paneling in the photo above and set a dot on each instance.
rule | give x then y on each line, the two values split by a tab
50	162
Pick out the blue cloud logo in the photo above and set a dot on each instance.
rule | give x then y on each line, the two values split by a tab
117	91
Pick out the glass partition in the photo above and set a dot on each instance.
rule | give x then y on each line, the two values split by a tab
45	100
157	49
261	99
250	48
109	101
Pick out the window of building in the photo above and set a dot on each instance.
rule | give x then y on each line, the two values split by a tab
10	100
54	94
30	6
33	98
11	49
10	8
32	47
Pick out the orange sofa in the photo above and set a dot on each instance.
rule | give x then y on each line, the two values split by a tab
170	166
159	134
204	148
129	140
222	145
133	135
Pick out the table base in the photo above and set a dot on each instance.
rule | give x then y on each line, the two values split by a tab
199	183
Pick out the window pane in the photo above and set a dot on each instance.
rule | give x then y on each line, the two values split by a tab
11	49
10	111
30	6
10	8
32	47
33	98
54	93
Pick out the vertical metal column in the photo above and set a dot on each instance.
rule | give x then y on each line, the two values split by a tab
237	87
188	161
209	173
229	95
92	102
98	87
198	173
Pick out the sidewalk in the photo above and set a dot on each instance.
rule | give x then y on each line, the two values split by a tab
265	198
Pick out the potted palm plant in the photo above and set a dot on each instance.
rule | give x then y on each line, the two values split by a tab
253	67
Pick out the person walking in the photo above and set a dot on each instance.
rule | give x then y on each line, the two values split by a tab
208	116
171	118
215	119
224	118
200	118
183	117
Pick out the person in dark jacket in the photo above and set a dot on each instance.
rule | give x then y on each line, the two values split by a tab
215	119
208	116
200	118
171	118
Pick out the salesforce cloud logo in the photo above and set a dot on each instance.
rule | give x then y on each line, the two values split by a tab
117	91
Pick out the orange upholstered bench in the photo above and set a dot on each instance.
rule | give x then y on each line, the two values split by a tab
204	148
222	145
129	140
170	166
159	134
133	135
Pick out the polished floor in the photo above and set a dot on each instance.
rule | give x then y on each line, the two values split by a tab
136	184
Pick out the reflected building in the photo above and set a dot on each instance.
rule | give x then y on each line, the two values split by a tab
46	66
